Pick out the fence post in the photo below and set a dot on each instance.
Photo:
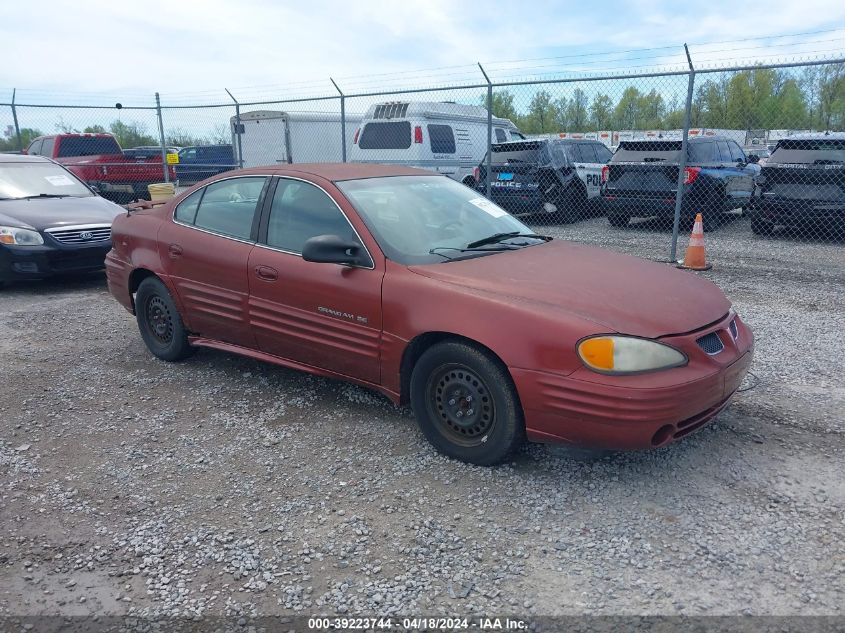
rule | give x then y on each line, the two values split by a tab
15	119
489	158
164	165
342	120
679	195
237	128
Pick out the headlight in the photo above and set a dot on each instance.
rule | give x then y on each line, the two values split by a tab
626	354
20	237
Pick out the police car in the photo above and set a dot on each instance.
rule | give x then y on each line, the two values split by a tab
559	178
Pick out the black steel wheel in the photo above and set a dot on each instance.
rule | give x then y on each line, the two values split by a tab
466	404
159	321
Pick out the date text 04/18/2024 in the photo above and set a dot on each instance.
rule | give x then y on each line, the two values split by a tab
417	623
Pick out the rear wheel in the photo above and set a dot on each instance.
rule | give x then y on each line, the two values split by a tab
575	206
465	404
159	321
761	226
618	220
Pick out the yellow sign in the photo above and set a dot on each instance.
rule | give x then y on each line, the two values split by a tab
172	159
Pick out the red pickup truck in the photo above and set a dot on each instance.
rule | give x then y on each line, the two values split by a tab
98	160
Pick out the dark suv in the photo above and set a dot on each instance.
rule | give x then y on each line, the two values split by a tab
803	182
554	177
641	180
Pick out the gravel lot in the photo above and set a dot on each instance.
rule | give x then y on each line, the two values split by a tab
230	487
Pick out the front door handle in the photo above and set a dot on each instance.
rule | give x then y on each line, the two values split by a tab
266	273
175	250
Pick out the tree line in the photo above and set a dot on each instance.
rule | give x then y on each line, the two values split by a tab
133	134
813	98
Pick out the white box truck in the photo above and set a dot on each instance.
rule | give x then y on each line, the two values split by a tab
444	137
268	137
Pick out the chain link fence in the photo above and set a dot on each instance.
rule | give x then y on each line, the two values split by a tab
758	151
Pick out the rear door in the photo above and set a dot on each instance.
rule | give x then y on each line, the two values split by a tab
738	183
321	315
588	168
205	252
444	149
264	141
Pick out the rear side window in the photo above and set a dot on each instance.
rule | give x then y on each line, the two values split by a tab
186	212
703	153
584	153
87	146
817	151
228	207
442	139
501	136
386	135
34	148
47	147
301	211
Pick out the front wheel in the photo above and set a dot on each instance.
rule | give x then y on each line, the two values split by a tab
159	321
466	404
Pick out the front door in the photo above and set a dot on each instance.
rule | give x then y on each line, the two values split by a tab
323	315
205	252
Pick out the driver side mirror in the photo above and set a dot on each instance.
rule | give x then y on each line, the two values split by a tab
331	249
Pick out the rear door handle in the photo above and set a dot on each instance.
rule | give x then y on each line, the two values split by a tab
175	250
266	273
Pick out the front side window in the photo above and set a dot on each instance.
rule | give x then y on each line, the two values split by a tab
725	151
228	206
34	148
301	211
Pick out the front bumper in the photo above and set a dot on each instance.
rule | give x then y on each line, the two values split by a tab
19	263
592	410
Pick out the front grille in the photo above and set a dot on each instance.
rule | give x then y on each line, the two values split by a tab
711	343
734	330
81	234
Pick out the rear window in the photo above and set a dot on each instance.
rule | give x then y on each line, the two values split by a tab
87	146
810	151
516	153
702	152
648	152
386	135
442	139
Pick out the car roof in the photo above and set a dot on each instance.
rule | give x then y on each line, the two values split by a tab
334	171
23	158
811	136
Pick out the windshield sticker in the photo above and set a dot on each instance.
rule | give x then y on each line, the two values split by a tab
59	181
489	207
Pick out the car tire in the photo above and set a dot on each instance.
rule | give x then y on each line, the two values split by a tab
160	322
761	227
574	204
466	405
619	220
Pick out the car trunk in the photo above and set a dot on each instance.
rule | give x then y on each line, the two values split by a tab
813	183
643	179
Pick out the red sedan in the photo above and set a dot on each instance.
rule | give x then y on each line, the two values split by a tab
413	285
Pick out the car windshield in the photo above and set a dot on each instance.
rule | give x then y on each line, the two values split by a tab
25	179
427	219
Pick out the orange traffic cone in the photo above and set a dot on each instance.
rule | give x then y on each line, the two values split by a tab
694	258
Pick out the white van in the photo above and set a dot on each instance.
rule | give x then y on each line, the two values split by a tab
449	138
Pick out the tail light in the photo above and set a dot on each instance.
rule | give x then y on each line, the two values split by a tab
476	174
605	173
418	134
355	138
690	174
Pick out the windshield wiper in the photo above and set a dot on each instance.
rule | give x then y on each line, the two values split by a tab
44	195
501	237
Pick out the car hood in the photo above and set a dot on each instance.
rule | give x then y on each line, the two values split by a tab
619	293
47	213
